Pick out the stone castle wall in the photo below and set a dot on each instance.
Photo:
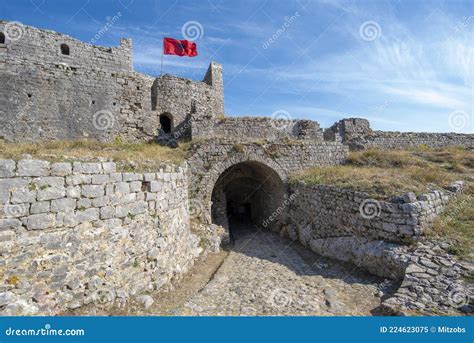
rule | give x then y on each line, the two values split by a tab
73	234
245	128
210	158
92	93
356	133
183	97
321	211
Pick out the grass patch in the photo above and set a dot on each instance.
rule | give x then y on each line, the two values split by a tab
129	156
456	223
384	173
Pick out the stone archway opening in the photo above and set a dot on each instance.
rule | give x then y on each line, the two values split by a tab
248	196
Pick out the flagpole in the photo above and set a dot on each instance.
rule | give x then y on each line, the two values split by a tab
162	54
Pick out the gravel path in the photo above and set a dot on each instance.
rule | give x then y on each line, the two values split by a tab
265	274
262	274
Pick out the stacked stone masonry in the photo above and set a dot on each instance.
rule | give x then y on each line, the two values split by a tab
356	133
329	211
76	233
92	92
373	235
208	160
248	128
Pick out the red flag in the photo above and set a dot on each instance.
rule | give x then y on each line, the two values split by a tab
183	47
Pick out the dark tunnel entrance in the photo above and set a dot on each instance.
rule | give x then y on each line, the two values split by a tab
166	123
247	195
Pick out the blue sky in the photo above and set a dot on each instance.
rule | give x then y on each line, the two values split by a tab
405	65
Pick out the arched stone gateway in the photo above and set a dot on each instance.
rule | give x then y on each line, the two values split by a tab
248	194
210	179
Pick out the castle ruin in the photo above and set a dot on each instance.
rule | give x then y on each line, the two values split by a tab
56	218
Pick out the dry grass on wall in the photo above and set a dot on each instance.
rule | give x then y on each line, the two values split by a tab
384	173
140	156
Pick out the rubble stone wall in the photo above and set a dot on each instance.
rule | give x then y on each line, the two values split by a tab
356	133
245	128
77	233
321	211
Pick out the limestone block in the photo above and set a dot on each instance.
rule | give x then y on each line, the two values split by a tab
135	186
73	192
15	210
60	205
132	177
122	187
84	203
149	176
50	193
109	167
89	214
75	180
40	221
40	207
9	223
107	212
23	194
121	211
155	186
115	177
93	191
61	169
99	179
87	168
49	181
138	207
7	168
33	168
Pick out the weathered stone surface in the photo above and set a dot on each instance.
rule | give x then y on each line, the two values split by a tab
7	168
337	212
356	132
23	194
40	207
70	234
93	191
33	168
10	223
145	300
40	221
6	298
61	169
50	193
64	204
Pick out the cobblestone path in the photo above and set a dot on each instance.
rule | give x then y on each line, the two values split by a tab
265	274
